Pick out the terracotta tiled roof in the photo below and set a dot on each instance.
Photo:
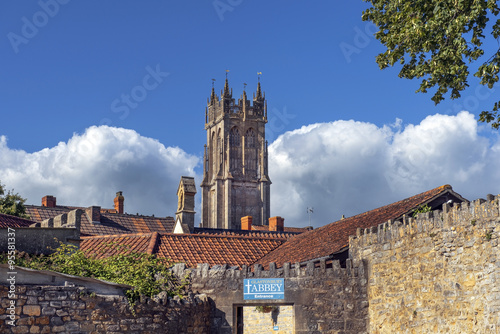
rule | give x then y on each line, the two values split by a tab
193	249
13	221
190	249
107	245
123	223
264	233
334	237
110	223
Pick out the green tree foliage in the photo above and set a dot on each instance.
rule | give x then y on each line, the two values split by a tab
436	41
147	274
12	203
421	209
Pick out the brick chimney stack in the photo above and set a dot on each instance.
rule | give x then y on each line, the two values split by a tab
49	201
94	214
276	224
246	223
119	199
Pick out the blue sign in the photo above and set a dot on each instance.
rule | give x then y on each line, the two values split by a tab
264	288
276	328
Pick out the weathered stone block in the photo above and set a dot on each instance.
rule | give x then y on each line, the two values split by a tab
20	329
31	310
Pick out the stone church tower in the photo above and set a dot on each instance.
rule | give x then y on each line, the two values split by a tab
235	178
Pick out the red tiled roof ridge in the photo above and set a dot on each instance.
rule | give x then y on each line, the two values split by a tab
153	243
122	235
239	236
103	210
286	229
58	207
135	215
160	234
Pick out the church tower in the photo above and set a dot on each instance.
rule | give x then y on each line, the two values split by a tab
235	176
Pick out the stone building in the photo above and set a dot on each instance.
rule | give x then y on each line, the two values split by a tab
235	176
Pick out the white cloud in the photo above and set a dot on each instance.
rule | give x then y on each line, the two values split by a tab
91	167
348	167
342	167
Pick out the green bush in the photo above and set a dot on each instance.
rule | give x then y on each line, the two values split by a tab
421	209
147	274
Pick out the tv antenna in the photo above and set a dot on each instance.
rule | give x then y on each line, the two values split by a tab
310	211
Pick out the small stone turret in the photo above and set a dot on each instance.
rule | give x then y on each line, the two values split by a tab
185	208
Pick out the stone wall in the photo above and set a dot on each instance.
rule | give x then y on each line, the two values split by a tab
280	320
37	240
27	308
324	297
439	273
44	237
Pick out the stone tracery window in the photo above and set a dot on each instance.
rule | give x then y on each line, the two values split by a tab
250	153
235	150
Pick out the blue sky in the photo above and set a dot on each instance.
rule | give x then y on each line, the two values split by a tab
67	65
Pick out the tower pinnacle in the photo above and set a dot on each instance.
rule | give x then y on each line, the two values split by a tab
226	86
212	96
259	91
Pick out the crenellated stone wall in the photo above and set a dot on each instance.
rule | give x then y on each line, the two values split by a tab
439	273
324	297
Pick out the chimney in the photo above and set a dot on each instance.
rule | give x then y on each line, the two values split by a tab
246	223
49	201
94	214
276	224
119	202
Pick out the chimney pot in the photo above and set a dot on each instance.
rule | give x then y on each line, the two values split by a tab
246	223
119	199
276	224
49	201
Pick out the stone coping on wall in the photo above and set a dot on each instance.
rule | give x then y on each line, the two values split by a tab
26	276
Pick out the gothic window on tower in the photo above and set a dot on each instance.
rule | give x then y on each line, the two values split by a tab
220	151
213	154
250	153
235	150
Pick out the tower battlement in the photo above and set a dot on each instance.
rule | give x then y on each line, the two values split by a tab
227	106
